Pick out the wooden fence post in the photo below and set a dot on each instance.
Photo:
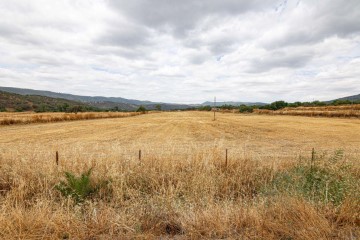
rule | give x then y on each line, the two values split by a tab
312	159
139	155
57	158
226	157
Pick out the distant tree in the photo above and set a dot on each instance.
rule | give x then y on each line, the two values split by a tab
341	102
158	107
141	109
243	108
75	109
278	105
41	108
205	108
227	106
318	103
65	107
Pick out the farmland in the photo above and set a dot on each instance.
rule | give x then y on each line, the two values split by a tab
183	182
343	111
11	118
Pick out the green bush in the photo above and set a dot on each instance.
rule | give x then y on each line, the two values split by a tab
78	188
316	182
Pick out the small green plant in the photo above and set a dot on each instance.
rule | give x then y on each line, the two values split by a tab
315	182
78	188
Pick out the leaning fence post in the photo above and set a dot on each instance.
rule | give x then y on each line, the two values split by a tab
57	158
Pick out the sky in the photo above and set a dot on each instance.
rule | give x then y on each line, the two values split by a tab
184	51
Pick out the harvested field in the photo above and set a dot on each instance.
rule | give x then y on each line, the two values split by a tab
346	111
26	118
181	186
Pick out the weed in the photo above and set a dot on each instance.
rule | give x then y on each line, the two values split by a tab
315	182
78	188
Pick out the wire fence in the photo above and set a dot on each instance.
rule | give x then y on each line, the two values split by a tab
176	153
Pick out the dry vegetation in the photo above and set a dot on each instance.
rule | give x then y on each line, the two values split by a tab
26	118
181	187
345	111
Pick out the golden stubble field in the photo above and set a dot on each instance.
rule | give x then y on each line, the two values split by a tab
184	133
180	186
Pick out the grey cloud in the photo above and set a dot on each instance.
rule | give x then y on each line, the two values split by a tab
222	46
279	59
19	35
167	49
179	17
125	36
198	58
327	19
8	30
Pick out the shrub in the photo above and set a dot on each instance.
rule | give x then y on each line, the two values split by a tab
78	188
315	182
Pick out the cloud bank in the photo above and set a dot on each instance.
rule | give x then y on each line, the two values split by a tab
183	51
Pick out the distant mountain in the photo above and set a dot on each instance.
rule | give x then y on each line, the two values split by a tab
116	102
218	104
350	98
98	101
72	97
17	102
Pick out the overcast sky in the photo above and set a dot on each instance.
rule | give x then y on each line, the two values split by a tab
183	51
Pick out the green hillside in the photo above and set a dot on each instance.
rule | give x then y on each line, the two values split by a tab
19	103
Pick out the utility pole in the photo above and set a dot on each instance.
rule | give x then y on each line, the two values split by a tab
214	106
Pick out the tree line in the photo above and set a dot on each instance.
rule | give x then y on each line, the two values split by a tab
277	105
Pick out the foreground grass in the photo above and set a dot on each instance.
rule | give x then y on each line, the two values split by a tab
195	198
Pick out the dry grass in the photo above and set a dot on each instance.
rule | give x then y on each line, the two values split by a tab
181	187
346	111
26	118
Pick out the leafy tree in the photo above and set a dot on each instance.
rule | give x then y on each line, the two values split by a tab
243	108
158	107
205	108
278	105
75	109
141	109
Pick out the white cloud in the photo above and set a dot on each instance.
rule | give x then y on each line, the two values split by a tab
183	51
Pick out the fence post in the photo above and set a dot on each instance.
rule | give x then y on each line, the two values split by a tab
139	155
226	157
57	158
312	159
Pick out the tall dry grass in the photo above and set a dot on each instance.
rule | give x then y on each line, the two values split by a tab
346	111
27	118
195	198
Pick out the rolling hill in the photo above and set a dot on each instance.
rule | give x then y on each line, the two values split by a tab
233	103
350	98
98	101
17	102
